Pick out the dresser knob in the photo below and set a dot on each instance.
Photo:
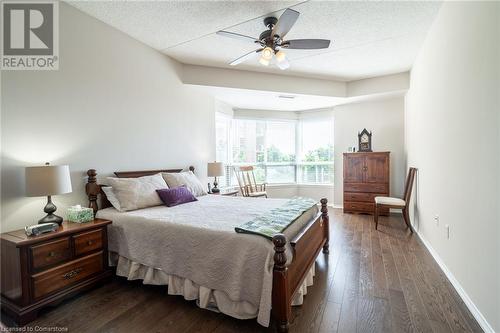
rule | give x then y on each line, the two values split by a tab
51	254
90	242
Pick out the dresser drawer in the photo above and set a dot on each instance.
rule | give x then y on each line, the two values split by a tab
370	188
361	207
50	253
87	242
62	276
361	197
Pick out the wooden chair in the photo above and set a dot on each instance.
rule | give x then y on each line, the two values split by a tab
388	202
247	183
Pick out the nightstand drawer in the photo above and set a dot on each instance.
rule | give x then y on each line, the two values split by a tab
50	253
62	276
88	242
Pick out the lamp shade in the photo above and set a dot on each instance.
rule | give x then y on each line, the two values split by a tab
47	180
215	169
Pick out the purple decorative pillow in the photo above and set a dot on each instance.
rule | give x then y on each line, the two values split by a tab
176	196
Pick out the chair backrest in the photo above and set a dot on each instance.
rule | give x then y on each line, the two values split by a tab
409	184
246	179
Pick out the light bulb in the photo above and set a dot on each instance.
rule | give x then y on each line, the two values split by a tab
263	61
280	56
283	63
267	53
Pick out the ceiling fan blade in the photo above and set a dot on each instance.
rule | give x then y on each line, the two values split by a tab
306	44
245	57
285	22
237	36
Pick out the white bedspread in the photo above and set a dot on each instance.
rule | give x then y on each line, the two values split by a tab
197	241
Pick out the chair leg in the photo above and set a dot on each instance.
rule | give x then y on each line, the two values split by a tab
406	217
375	217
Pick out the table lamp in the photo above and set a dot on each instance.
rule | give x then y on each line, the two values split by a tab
215	169
48	180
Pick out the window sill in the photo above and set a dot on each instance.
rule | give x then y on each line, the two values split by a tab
314	185
287	185
300	185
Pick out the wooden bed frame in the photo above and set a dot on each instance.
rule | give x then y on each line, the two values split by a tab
306	246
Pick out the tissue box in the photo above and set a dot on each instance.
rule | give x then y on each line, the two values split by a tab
80	214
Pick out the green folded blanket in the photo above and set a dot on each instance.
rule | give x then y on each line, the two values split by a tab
277	219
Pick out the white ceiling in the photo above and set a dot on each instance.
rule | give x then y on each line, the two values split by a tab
267	100
368	38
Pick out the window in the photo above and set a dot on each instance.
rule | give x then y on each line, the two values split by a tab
281	151
316	146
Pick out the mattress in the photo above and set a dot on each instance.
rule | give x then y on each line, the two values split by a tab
196	242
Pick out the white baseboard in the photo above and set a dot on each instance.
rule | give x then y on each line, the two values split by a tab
338	206
458	287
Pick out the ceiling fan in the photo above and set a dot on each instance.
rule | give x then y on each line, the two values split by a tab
272	41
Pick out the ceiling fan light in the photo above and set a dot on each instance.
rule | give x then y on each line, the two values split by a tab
283	64
280	56
267	53
264	61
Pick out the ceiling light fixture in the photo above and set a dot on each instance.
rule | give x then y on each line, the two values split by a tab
263	61
267	53
281	60
283	65
280	56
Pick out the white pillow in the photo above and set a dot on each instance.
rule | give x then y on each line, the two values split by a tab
187	178
110	195
136	193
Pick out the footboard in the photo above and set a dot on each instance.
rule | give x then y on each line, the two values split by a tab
306	246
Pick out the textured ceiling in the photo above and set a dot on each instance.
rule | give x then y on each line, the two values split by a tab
368	38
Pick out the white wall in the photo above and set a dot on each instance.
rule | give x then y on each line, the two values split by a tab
114	104
386	121
452	125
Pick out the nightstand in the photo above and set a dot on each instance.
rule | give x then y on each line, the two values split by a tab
229	193
42	270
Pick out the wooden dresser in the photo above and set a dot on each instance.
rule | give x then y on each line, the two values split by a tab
366	175
42	270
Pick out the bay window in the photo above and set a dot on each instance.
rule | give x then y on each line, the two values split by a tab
281	151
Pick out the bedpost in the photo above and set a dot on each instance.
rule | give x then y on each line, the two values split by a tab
191	168
92	189
281	306
326	222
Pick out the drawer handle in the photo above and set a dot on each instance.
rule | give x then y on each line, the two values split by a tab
51	254
72	273
90	242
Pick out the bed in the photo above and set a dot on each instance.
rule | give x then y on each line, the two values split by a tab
194	249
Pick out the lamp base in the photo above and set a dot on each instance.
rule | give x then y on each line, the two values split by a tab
50	208
51	218
215	189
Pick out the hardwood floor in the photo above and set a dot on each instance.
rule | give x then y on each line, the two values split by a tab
372	281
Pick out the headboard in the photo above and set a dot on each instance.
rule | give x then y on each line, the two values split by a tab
94	190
